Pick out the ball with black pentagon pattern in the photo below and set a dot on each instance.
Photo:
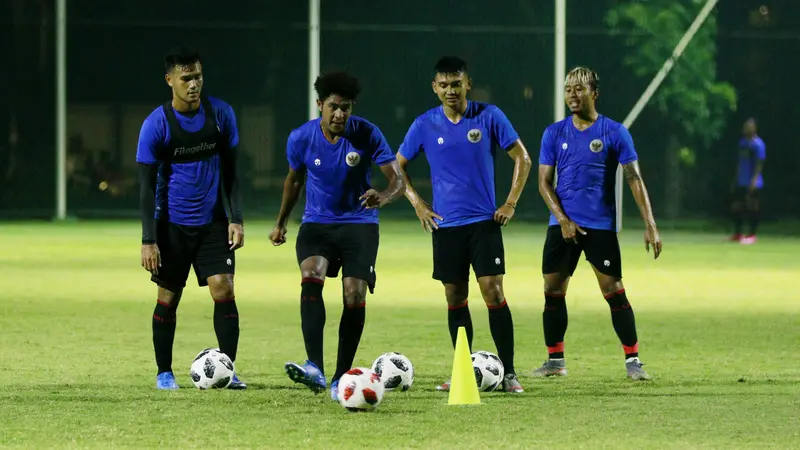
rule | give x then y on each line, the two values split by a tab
211	369
395	370
489	370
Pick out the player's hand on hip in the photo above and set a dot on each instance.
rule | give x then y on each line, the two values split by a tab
278	235
151	258
652	239
504	214
236	236
570	230
373	199
427	216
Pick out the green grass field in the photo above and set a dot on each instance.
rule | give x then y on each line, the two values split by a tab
718	325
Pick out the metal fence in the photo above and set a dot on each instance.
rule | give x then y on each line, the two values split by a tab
255	57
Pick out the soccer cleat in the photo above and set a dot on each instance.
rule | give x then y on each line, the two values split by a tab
747	240
307	374
735	238
550	368
635	371
236	383
165	381
445	387
335	391
511	384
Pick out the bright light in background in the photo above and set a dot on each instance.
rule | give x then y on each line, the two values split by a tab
527	93
761	17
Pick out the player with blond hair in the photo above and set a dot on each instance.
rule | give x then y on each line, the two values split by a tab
584	150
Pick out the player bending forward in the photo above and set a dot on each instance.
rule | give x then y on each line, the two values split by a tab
187	160
585	149
459	140
340	225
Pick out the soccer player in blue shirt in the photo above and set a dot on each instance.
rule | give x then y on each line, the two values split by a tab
584	150
333	156
187	160
459	139
748	183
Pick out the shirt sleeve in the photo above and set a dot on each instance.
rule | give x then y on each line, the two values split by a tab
381	154
148	173
412	143
502	131
626	152
760	150
294	154
151	136
227	120
547	150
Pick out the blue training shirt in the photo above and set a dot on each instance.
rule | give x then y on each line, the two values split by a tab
751	151
586	163
189	191
461	157
338	174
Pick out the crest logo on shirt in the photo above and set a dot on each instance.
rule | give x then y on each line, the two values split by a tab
352	159
596	146
474	135
564	146
317	162
440	140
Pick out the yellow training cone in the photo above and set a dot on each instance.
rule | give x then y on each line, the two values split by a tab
463	387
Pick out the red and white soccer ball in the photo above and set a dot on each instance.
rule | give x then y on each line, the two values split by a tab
360	389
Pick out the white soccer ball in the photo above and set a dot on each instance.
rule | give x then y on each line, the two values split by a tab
395	370
211	369
360	389
489	370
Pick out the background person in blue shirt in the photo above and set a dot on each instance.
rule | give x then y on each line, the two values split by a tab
748	183
187	160
334	155
459	139
585	150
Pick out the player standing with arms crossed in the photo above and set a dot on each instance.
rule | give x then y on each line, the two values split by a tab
459	140
335	153
187	162
585	149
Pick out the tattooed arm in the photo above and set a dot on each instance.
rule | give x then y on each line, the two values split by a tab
634	177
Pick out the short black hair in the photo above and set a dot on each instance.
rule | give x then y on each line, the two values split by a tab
450	64
180	56
339	83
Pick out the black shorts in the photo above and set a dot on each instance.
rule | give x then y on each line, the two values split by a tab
743	194
601	248
204	247
478	244
352	247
